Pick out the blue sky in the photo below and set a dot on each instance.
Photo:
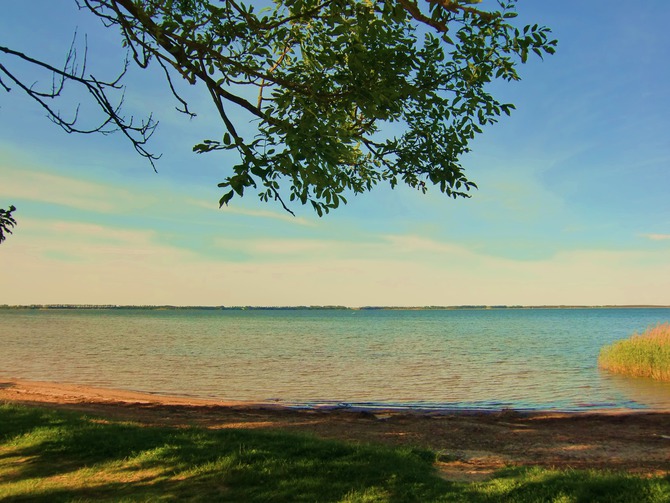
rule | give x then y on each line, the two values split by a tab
572	206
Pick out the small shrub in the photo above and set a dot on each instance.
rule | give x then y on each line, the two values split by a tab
642	355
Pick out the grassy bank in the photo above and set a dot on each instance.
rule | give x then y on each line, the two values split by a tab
643	355
48	455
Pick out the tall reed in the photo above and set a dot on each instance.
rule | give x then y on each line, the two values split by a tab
642	355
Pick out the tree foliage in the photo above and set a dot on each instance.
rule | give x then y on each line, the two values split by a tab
343	94
7	221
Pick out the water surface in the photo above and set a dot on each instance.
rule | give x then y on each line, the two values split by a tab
483	359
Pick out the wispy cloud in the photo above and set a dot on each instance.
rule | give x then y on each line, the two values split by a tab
236	210
307	250
368	248
85	242
657	237
84	230
66	191
271	214
411	244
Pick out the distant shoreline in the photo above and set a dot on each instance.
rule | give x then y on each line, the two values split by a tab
316	308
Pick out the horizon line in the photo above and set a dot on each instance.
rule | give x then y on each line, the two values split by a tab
333	306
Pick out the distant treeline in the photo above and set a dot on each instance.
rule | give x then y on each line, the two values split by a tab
295	308
165	308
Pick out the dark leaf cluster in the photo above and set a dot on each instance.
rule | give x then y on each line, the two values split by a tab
7	222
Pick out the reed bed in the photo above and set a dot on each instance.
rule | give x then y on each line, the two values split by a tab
642	355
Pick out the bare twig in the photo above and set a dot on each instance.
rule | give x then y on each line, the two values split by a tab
138	134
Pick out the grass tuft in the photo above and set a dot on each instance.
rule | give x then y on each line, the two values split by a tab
642	355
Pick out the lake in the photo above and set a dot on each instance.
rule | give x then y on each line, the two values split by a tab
435	359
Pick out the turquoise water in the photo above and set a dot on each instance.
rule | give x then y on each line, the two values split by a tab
475	359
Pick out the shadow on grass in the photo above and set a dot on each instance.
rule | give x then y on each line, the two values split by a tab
53	456
56	456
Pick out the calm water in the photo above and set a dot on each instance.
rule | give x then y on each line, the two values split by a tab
540	358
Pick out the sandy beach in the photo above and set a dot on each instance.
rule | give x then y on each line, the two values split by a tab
472	444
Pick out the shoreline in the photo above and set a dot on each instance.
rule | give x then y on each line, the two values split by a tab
471	444
13	389
18	390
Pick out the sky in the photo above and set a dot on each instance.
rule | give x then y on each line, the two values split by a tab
573	205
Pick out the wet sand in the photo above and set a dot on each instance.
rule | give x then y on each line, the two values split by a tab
471	444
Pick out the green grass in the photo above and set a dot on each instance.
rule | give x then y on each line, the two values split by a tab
642	355
48	455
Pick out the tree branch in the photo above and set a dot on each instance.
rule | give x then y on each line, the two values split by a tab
416	13
137	134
